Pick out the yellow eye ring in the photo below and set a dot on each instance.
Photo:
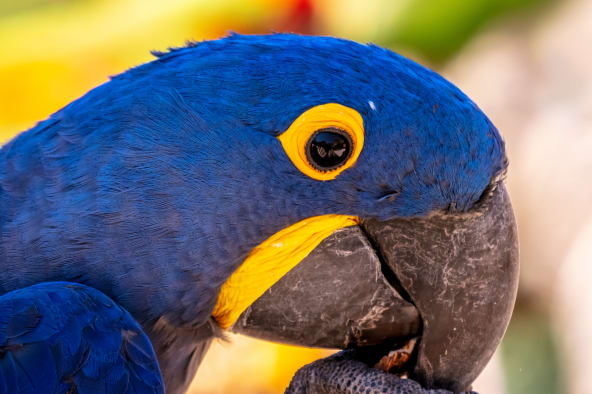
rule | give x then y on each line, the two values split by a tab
331	118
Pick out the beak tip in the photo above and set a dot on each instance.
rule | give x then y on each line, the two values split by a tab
461	272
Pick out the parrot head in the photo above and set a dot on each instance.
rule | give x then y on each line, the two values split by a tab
308	190
377	186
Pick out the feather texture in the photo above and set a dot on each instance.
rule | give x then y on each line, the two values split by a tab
59	337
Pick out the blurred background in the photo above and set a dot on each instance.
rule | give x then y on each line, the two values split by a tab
526	63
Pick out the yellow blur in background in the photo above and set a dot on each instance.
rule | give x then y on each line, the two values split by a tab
247	365
526	63
54	51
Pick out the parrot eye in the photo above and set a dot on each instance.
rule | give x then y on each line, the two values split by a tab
329	148
324	140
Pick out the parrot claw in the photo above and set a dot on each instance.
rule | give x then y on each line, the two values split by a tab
397	360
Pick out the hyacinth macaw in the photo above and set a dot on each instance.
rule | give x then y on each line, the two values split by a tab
309	190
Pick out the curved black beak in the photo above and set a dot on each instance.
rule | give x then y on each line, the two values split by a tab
449	279
461	272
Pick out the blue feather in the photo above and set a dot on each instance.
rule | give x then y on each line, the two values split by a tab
41	321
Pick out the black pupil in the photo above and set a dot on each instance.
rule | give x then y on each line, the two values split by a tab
329	149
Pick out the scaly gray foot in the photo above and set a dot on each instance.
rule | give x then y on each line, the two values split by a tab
342	373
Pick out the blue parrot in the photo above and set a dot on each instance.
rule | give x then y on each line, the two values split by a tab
154	206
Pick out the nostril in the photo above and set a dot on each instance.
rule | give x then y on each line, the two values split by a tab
389	196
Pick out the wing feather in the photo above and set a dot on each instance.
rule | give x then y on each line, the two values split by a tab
65	337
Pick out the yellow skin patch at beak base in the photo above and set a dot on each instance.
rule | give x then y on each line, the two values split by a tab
270	261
